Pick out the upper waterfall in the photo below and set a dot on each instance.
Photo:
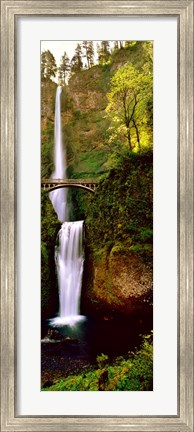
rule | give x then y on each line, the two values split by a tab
59	197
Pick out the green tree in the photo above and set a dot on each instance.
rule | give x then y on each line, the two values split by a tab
103	51
85	48
64	67
48	65
129	100
90	53
88	46
76	62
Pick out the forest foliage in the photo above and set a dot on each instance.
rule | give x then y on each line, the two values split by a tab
119	215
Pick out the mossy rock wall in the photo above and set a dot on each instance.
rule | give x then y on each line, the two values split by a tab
49	230
117	284
119	244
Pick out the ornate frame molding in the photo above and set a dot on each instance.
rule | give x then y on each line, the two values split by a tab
183	9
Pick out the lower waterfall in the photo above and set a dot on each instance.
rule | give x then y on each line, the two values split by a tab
69	257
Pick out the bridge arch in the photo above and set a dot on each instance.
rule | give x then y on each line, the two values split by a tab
50	185
79	186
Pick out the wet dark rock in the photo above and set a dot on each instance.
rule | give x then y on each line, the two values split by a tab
70	340
54	334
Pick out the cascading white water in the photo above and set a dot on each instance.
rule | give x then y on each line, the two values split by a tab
59	196
70	261
69	255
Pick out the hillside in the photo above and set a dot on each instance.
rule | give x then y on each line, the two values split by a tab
86	123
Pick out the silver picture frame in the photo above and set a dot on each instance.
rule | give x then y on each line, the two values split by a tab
183	10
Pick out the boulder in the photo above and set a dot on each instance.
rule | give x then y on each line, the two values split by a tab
120	283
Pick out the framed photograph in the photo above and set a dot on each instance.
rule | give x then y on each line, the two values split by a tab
107	87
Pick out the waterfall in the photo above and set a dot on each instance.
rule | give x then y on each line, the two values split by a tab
69	254
69	261
59	196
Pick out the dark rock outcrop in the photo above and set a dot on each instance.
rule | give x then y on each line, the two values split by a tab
118	284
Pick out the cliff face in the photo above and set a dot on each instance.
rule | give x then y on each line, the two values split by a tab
119	284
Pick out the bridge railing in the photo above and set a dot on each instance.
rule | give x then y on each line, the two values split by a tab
49	184
61	181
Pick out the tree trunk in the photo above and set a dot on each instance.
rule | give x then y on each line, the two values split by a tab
129	137
137	134
127	121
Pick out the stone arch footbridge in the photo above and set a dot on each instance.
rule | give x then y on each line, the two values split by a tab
52	184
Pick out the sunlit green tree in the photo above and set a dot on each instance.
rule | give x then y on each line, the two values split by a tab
129	103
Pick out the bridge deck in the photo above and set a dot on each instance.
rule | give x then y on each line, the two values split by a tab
52	184
70	181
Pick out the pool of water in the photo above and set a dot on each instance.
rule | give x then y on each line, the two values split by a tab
79	345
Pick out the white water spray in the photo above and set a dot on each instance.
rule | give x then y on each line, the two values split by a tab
69	254
59	196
